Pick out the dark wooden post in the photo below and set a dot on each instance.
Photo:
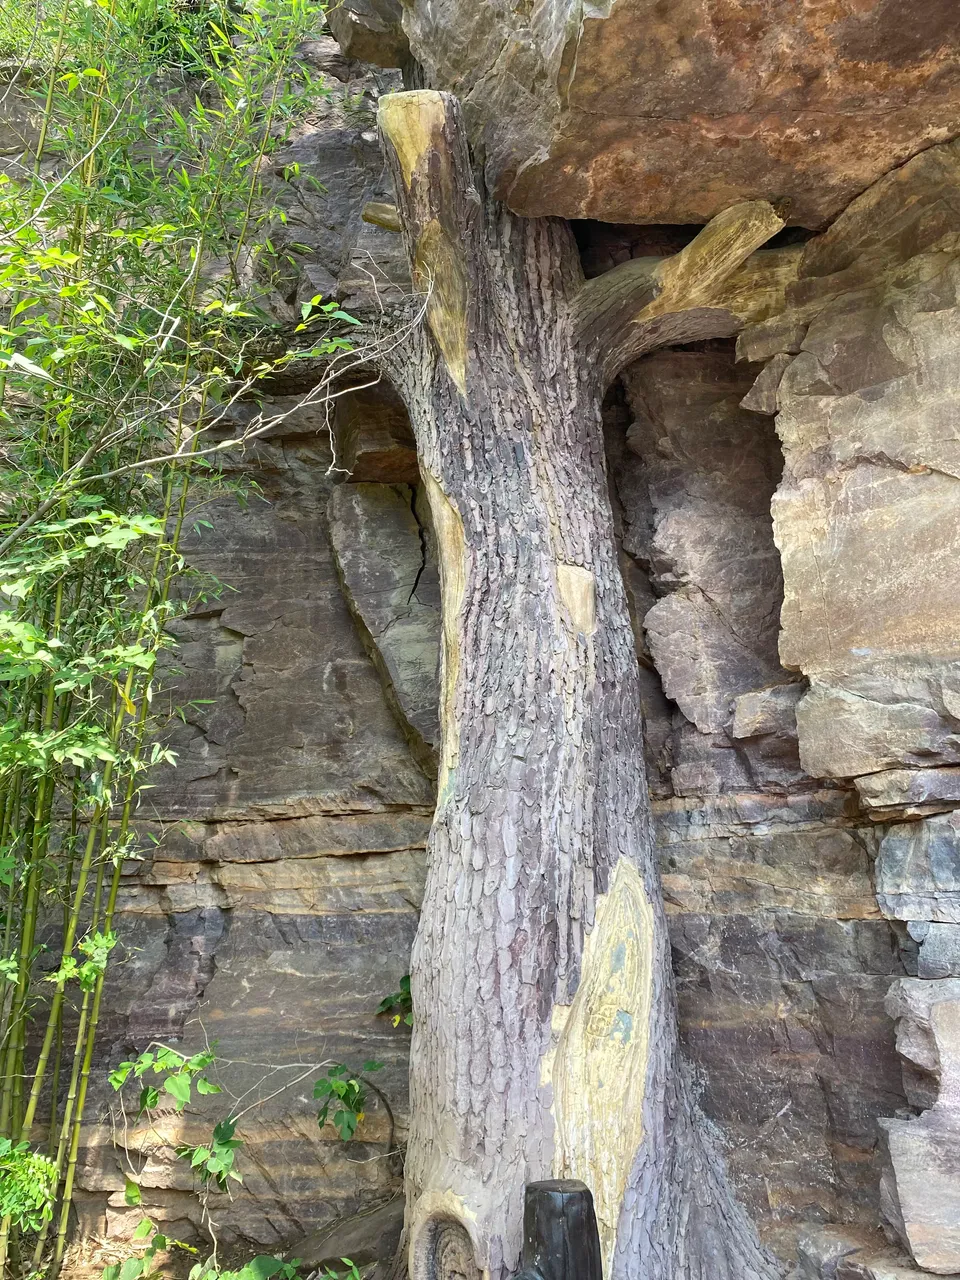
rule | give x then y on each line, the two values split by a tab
560	1236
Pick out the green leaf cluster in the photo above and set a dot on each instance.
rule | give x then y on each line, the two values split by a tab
180	1075
399	1005
141	1266
27	1183
214	1162
343	1094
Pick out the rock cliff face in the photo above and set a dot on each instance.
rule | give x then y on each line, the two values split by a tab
787	515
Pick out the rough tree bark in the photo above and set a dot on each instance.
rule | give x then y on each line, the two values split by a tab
545	1039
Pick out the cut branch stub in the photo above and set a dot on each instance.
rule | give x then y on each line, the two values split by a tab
652	302
437	203
380	214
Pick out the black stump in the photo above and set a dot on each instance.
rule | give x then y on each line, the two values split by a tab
560	1236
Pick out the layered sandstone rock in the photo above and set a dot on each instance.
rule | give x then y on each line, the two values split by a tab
861	375
864	516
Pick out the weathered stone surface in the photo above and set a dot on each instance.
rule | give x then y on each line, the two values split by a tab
938	953
364	1239
314	923
905	212
634	111
910	1003
330	168
920	1191
918	870
780	335
770	710
762	396
782	969
394	596
19	124
909	792
370	30
864	516
885	1265
298	723
924	1185
374	439
822	1249
697	514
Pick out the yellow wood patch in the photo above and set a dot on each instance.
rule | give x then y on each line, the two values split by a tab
452	552
380	214
413	122
578	591
691	278
599	1066
438	271
758	289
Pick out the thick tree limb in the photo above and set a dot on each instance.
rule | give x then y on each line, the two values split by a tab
382	215
707	290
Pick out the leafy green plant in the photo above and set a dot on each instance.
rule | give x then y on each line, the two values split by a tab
215	1162
140	1266
399	1005
350	1272
27	1184
180	1075
263	1267
344	1094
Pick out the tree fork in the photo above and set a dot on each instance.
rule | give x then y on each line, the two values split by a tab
545	1042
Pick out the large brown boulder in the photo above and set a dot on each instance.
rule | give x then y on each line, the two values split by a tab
670	110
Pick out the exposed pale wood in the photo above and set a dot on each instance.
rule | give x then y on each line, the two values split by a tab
432	159
603	1052
381	214
414	124
448	528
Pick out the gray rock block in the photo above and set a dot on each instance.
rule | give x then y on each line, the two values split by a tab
821	1250
910	1002
394	595
938	951
369	30
920	1186
365	1238
909	792
918	870
879	1266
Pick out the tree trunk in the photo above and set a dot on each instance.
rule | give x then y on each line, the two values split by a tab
545	1037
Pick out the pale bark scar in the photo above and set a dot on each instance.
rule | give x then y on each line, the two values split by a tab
414	124
694	277
599	1066
451	547
438	270
578	591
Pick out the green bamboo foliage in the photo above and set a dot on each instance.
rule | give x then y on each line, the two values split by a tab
134	260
